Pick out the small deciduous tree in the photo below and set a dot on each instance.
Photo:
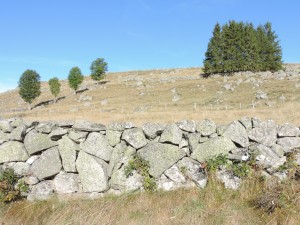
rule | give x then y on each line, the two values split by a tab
29	86
98	69
75	78
54	86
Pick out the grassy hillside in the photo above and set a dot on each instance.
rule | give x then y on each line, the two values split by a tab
165	96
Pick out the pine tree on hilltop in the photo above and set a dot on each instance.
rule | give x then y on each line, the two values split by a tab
241	47
272	49
213	55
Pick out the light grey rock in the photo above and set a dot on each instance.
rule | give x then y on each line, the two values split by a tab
255	122
193	140
221	129
264	133
247	123
204	139
212	147
67	149
152	130
239	154
17	122
266	156
82	125
193	171
160	157
42	191
57	133
288	130
120	126
230	181
172	134
237	133
48	165
21	168
183	143
65	124
121	182
261	95
96	144
114	137
165	184
35	142
32	159
187	125
174	174
31	180
5	126
13	151
289	143
92	173
278	149
18	133
4	137
66	183
212	136
77	136
206	127
116	157
134	137
45	128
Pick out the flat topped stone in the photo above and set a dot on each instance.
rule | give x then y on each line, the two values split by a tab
212	147
120	126
187	125
172	134
36	142
13	151
82	125
288	130
160	157
134	137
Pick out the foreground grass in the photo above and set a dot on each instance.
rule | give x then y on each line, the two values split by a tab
213	205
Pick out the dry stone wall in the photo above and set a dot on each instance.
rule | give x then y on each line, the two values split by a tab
89	159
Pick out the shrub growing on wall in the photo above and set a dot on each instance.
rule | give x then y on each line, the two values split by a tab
241	47
29	86
75	78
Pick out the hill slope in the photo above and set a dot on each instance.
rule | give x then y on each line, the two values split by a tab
166	96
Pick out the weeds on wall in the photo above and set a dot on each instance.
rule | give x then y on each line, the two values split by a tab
140	165
11	188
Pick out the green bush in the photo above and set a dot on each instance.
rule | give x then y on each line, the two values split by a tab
29	86
98	69
215	162
75	78
54	85
11	188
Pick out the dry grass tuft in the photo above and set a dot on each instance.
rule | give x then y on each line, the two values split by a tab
212	205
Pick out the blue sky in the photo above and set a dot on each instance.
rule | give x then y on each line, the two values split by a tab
53	36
